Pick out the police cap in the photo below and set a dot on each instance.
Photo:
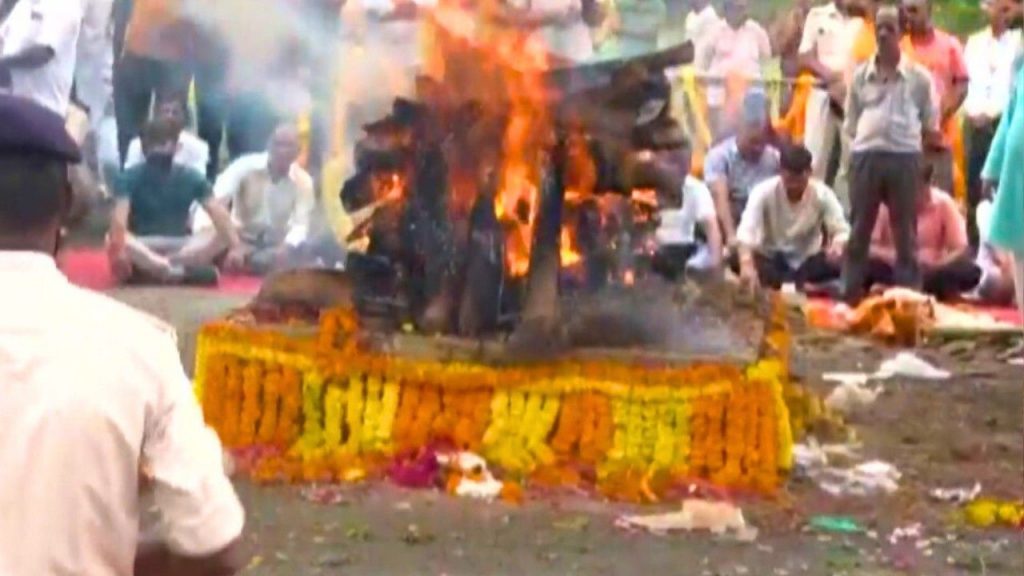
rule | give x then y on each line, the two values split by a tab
28	128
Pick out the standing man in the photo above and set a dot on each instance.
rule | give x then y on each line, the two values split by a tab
94	69
91	392
157	48
942	54
890	110
826	50
989	55
731	59
38	48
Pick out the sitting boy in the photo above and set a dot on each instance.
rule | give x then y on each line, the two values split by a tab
792	230
149	237
943	252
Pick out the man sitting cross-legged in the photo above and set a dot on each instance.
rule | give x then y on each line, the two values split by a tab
271	201
685	208
943	253
792	229
149	237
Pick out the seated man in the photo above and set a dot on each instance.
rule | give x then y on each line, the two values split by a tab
190	150
149	234
996	265
735	166
685	207
271	201
943	253
793	228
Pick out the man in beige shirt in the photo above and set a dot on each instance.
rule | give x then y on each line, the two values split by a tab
92	392
271	200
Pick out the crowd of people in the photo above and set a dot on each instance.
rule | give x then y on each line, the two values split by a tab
868	177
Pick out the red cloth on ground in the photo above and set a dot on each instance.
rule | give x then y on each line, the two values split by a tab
89	268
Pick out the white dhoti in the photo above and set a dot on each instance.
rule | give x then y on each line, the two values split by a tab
820	131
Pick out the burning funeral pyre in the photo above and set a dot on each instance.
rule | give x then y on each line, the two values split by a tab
514	184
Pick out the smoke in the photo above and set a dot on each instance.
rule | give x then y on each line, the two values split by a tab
290	54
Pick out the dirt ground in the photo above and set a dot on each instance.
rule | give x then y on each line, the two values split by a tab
939	434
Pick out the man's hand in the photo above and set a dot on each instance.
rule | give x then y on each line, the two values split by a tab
749	280
235	259
120	262
834	252
988	189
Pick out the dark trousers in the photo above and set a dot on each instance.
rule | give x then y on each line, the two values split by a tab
670	261
977	152
877	178
945	282
212	105
137	80
774	270
251	121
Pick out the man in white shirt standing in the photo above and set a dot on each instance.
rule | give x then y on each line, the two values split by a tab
731	58
95	59
793	229
271	199
826	50
38	48
92	393
990	55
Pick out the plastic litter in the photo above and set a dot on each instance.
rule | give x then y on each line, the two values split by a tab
852	395
908	365
836	524
715	517
956	495
865	479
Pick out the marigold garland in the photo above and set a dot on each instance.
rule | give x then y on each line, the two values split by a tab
342	413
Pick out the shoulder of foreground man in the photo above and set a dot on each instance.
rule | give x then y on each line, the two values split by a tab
136	326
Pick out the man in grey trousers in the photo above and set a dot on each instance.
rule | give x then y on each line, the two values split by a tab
891	109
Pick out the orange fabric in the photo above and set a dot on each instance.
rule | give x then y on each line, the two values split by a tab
794	123
944	59
864	47
157	30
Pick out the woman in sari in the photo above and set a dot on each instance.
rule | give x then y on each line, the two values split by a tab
1004	173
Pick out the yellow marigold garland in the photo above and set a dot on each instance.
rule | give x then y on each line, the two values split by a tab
343	411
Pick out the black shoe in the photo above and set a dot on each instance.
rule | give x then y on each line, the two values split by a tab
200	276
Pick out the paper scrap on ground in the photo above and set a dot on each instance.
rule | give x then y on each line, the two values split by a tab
865	479
715	517
908	365
956	495
852	395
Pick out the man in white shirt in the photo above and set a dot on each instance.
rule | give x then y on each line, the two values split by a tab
92	393
700	21
95	59
190	152
733	55
989	55
38	48
685	208
793	229
271	199
826	50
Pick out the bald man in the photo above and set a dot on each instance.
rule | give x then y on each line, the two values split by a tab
271	201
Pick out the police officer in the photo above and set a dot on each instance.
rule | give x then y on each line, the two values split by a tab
91	392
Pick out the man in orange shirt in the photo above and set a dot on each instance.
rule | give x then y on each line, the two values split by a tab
943	253
155	47
943	55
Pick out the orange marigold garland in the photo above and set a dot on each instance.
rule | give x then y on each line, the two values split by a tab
252	378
